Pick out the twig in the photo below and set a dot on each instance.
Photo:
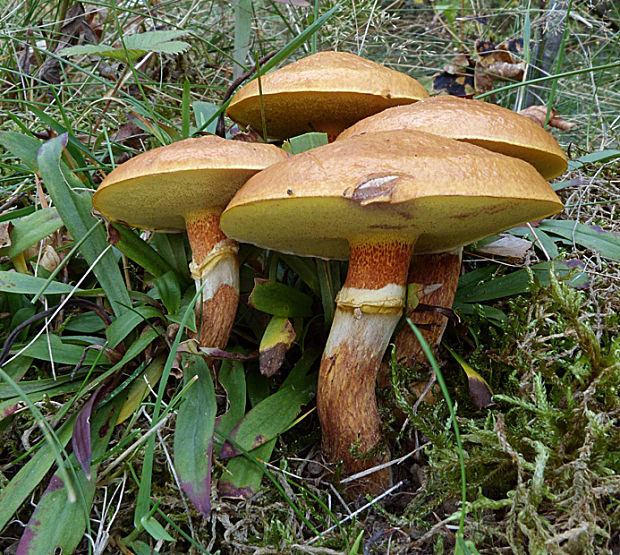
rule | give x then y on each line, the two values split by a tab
374	469
220	130
355	513
11	201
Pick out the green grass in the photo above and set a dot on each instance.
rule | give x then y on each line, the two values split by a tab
542	465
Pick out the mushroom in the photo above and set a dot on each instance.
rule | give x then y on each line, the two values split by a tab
376	199
325	92
487	125
474	121
185	186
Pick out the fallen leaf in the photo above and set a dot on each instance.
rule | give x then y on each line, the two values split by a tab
5	238
494	63
457	77
49	259
479	389
277	339
538	114
508	246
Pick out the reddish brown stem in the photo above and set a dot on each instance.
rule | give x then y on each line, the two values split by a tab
368	309
215	270
438	273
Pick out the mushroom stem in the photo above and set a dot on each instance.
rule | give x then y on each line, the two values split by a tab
368	309
439	275
215	270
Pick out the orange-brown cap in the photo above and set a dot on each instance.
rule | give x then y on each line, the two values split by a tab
480	123
159	188
405	184
327	92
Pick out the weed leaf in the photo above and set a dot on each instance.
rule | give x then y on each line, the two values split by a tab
514	283
139	389
133	246
280	300
273	415
599	156
606	243
304	142
193	435
31	229
135	46
13	494
232	378
23	284
260	428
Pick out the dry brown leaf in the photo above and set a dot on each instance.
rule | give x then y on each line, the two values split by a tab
5	238
456	78
495	63
538	114
459	65
508	246
506	71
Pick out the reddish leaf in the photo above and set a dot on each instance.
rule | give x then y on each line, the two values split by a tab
81	429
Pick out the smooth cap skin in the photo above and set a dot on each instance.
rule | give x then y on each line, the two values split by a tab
157	189
419	187
480	123
333	88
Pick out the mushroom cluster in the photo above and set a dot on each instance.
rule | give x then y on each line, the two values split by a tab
385	190
416	180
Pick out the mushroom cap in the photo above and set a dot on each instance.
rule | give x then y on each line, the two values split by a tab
477	122
159	188
336	88
411	185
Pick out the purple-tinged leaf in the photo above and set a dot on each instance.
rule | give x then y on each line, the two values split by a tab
232	491
59	521
193	434
243	475
81	430
214	352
